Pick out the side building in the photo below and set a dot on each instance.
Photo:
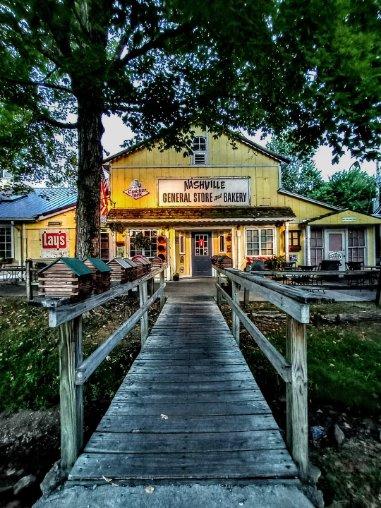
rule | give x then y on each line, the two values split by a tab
38	225
224	199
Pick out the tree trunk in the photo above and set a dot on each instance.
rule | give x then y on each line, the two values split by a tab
90	156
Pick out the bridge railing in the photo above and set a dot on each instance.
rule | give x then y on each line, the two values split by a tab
74	371
292	369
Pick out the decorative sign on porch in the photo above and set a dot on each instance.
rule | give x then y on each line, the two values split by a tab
229	191
54	243
136	190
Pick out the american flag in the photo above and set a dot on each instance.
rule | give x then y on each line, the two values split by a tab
105	194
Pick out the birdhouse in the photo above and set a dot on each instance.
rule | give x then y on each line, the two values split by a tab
133	270
65	278
156	262
119	270
143	262
100	273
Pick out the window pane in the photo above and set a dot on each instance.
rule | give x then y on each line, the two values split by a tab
151	250
5	242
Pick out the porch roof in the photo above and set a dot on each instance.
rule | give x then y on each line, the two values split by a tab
205	216
344	218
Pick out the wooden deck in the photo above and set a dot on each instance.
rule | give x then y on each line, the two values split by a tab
188	410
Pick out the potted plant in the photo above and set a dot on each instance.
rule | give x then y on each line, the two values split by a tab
176	276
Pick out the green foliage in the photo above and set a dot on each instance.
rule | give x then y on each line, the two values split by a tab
352	188
300	175
29	354
344	368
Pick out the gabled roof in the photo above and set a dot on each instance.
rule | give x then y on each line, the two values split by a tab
74	264
344	217
309	200
37	203
238	137
99	265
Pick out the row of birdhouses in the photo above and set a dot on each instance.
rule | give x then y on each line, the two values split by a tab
76	279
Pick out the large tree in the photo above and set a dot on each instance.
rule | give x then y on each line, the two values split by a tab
351	188
311	67
300	174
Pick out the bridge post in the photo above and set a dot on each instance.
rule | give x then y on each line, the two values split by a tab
162	296
143	296
235	318
28	279
246	298
218	295
71	395
296	395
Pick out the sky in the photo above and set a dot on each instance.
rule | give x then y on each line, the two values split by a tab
116	132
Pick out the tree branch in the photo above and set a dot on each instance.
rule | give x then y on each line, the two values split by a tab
52	86
154	43
56	123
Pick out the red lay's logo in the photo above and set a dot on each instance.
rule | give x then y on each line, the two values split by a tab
54	240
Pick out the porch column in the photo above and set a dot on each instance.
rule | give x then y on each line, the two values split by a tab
286	242
307	245
239	247
234	247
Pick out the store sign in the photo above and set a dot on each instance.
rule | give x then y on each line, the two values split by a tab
136	190
348	219
54	243
204	192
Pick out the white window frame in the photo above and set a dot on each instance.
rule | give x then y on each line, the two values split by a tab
136	231
259	229
181	244
198	152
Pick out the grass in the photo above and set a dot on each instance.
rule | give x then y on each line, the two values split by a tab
344	361
29	353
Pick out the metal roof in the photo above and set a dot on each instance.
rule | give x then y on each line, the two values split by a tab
39	202
99	265
76	266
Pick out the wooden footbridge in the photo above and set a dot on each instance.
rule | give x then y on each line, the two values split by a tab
189	409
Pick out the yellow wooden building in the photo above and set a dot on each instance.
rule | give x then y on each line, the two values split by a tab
225	199
38	225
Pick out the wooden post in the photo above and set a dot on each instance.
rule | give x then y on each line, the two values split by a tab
296	397
235	318
143	296
28	279
378	293
218	291
162	297
71	395
246	298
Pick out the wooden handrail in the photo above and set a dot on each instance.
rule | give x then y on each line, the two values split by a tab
74	371
93	361
59	314
271	353
293	369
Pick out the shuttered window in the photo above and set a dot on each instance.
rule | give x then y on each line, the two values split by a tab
199	149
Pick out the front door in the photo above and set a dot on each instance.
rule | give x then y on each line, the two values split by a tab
335	246
201	254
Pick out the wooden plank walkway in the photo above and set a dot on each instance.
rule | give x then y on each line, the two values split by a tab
188	410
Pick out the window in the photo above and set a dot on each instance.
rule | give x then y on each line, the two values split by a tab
222	243
145	243
181	244
199	151
294	240
105	246
6	250
260	242
201	244
356	244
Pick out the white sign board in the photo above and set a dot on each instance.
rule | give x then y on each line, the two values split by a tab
204	192
54	243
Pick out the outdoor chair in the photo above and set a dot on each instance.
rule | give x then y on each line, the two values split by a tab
328	265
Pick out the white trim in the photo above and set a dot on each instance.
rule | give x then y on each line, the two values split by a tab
191	221
275	245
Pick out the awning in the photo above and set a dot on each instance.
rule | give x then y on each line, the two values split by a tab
171	216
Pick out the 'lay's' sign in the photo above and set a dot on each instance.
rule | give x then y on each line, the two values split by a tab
54	243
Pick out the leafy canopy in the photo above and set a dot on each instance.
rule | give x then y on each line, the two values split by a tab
312	67
352	188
